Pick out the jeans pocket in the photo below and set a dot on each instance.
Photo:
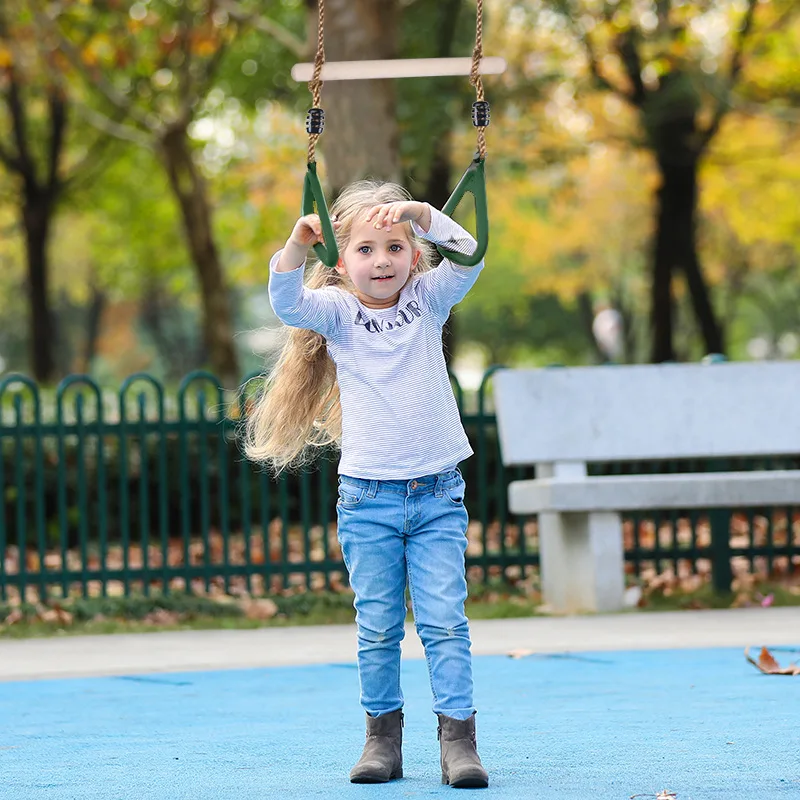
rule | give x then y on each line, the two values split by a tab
350	496
455	494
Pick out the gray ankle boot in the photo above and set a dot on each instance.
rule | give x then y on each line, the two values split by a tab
382	759
461	764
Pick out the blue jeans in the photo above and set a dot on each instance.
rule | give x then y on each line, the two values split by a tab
398	533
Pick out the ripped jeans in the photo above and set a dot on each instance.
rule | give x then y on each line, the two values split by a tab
398	533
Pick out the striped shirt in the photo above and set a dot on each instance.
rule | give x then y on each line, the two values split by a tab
399	416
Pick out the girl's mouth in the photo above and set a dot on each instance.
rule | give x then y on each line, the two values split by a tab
383	278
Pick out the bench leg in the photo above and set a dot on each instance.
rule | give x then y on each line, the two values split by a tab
582	561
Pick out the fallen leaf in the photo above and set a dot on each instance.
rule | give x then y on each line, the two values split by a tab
520	653
14	617
56	614
161	616
768	665
261	609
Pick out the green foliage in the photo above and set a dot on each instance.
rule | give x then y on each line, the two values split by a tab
136	608
569	219
185	609
429	110
536	330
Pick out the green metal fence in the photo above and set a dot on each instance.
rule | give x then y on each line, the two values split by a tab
141	490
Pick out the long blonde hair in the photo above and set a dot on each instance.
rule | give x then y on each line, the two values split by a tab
299	410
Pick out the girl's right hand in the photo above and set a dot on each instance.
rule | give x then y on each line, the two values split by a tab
307	231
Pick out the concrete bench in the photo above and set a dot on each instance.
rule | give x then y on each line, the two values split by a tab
562	419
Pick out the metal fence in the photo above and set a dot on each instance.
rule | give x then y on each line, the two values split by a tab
139	490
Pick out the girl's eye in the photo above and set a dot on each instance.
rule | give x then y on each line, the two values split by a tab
396	248
364	249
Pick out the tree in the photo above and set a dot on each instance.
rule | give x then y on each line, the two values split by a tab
33	147
361	136
155	65
656	58
680	68
751	220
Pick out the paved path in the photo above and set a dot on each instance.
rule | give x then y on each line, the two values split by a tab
123	654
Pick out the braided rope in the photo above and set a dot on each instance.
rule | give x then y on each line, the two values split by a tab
315	84
474	75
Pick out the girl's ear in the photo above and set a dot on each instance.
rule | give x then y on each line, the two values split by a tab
340	267
416	259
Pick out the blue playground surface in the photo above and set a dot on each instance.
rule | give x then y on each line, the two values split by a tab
702	724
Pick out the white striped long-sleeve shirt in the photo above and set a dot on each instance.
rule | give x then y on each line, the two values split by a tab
399	416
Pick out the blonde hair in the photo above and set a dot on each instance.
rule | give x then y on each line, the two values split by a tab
299	410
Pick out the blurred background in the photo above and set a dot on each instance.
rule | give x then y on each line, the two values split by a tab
643	168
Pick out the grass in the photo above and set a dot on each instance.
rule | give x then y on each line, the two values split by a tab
137	614
766	593
174	612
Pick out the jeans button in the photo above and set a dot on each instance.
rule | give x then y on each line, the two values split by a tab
414	484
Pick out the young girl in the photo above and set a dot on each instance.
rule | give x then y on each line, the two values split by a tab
364	368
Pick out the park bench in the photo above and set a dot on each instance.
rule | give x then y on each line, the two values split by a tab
563	419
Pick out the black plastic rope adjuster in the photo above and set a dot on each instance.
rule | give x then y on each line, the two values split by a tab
480	113
315	120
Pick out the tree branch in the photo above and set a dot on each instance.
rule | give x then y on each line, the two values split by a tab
724	104
185	68
95	79
572	17
84	171
626	47
600	79
116	129
210	69
58	124
25	165
282	35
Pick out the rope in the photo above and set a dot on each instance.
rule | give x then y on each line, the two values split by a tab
474	75
315	84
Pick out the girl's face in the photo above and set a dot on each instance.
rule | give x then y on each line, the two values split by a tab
378	262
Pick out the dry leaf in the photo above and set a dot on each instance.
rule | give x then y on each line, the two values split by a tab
161	616
261	609
768	665
14	617
520	653
56	614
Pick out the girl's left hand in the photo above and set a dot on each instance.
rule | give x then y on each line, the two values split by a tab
385	215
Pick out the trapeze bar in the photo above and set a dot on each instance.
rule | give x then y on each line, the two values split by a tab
397	68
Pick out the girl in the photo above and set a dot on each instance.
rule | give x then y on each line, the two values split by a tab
364	368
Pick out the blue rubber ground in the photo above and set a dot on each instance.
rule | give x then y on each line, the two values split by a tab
701	723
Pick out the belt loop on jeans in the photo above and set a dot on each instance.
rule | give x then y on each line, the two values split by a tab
373	489
438	490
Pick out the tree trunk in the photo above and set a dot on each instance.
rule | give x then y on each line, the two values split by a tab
36	216
661	301
437	193
440	174
94	317
177	345
361	138
40	191
190	189
676	248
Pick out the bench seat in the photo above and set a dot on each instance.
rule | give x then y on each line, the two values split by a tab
564	419
640	492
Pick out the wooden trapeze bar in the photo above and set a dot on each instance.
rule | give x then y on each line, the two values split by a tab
397	68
